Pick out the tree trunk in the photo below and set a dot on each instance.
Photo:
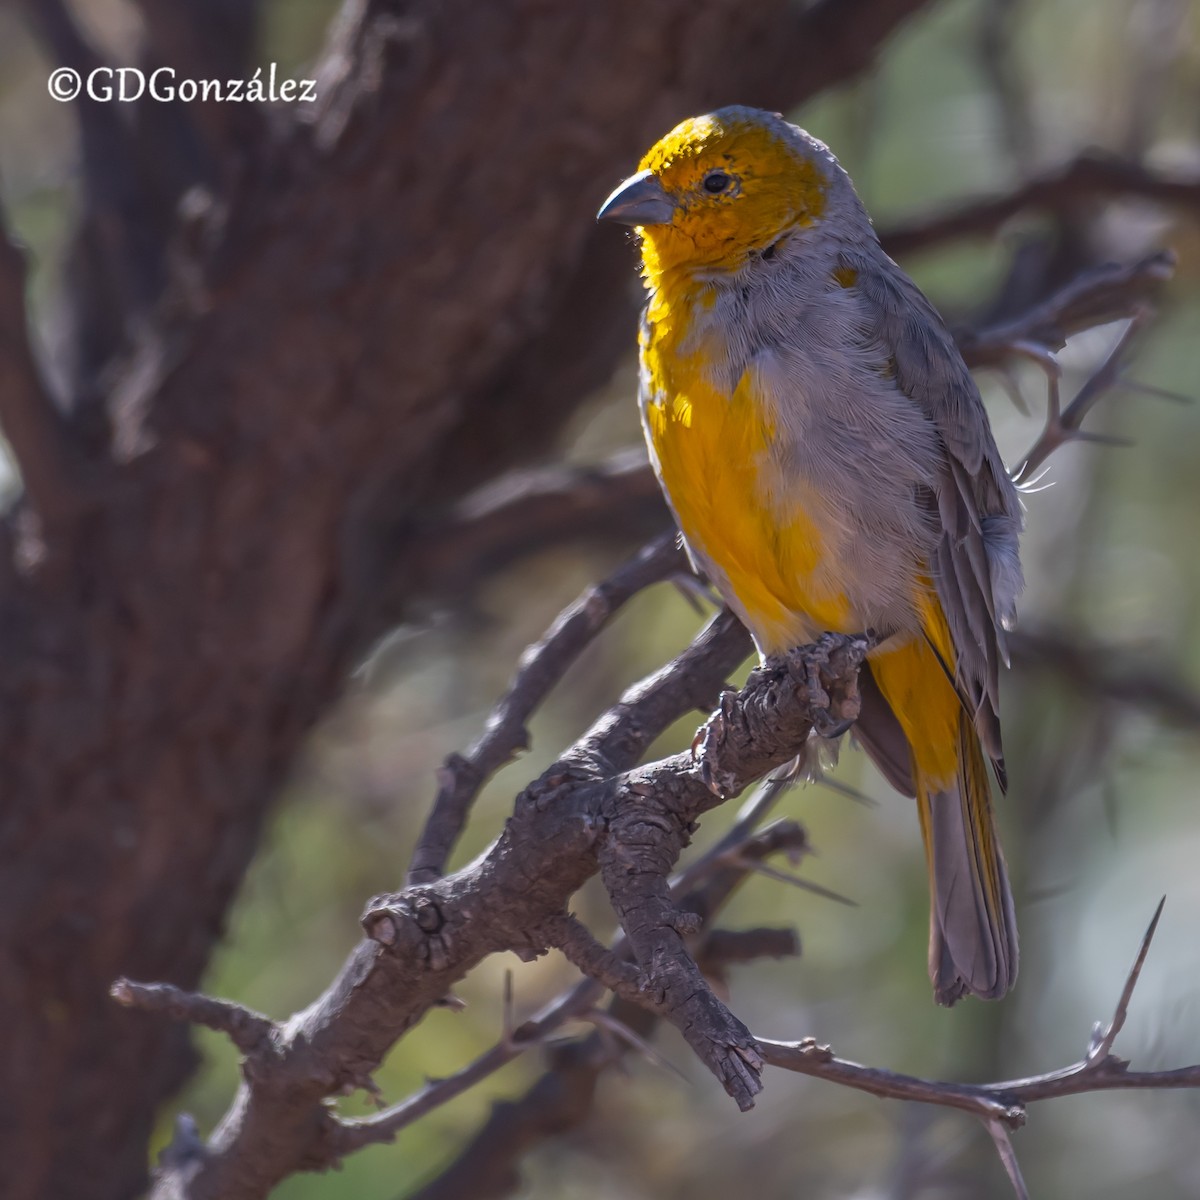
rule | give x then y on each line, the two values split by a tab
397	294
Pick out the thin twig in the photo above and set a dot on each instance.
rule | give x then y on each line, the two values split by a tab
249	1031
1099	1070
1064	425
540	507
1008	1155
1108	672
605	1020
542	666
354	1133
1089	177
798	881
1099	296
1005	1100
808	1057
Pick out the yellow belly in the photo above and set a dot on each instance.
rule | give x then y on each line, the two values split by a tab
713	455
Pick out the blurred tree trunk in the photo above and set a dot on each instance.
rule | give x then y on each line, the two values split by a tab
375	306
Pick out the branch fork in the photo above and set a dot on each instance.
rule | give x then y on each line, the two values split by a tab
595	810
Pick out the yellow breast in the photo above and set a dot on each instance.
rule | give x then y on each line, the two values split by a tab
713	449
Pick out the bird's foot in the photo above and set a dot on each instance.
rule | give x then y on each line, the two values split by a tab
827	671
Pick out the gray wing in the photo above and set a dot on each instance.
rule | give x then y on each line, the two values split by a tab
976	568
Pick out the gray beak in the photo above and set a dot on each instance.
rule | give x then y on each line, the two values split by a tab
640	200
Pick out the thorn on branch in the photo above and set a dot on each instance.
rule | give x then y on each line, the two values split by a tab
1064	425
998	1105
798	881
1102	1047
608	1024
1008	1155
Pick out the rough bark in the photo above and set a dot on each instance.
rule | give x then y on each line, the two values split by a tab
389	299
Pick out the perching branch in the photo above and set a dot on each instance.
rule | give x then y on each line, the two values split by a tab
281	365
594	809
422	940
591	807
711	883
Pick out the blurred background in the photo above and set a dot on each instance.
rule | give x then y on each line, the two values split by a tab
969	97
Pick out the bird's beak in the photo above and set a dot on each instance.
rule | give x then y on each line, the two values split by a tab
640	200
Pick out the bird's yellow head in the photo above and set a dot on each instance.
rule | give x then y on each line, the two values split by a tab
721	189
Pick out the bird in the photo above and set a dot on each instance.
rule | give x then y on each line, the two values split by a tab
829	461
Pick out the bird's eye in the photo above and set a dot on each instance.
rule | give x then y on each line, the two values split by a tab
716	181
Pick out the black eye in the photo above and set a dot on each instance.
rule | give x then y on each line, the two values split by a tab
716	181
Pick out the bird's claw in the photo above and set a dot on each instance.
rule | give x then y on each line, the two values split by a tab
820	670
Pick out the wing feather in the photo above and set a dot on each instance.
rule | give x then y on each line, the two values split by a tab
976	568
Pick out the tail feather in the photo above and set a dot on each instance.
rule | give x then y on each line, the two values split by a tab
972	925
973	932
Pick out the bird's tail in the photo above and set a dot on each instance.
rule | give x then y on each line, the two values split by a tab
972	927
